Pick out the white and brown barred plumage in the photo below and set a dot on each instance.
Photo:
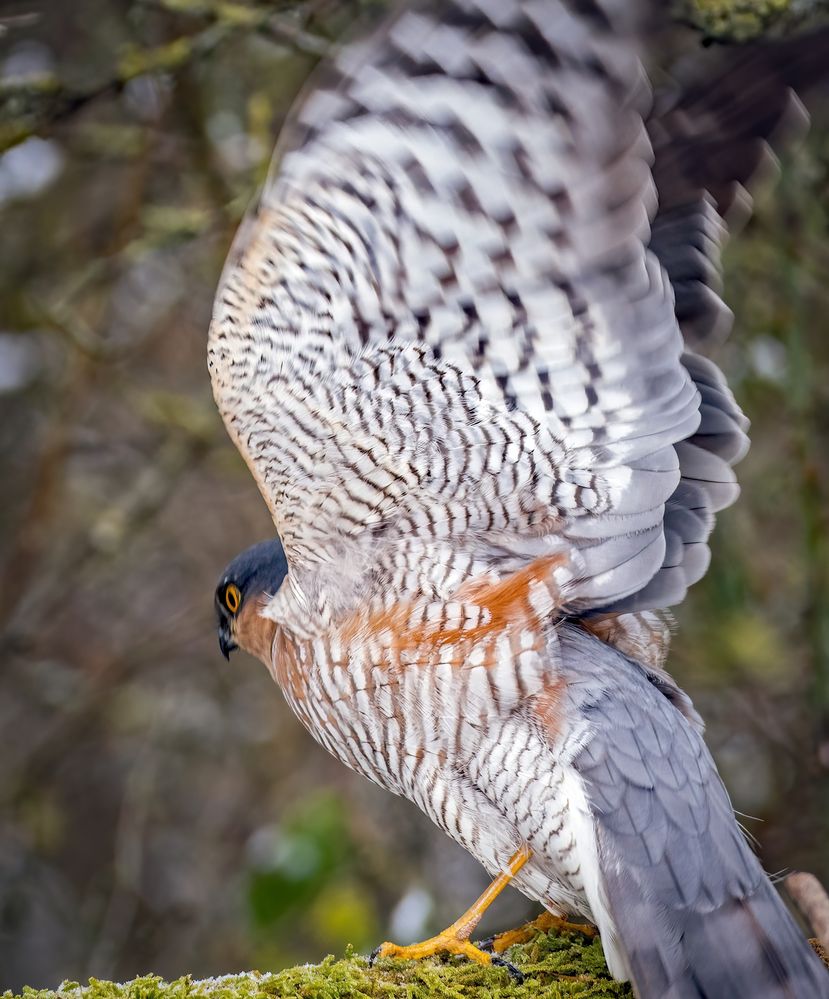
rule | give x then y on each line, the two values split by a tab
448	344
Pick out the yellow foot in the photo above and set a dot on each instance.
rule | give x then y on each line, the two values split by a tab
443	943
455	939
447	942
545	922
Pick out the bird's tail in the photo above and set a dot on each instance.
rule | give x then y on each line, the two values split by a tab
684	908
748	948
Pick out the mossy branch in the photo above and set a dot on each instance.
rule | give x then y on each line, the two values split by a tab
555	966
732	21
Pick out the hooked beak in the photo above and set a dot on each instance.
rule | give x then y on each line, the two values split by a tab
226	640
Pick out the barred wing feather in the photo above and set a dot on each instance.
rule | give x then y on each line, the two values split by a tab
472	184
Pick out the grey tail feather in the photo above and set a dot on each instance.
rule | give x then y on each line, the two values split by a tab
748	948
688	912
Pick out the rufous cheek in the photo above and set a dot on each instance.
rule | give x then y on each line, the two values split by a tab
253	632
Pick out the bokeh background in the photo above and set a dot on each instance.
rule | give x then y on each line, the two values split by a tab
160	809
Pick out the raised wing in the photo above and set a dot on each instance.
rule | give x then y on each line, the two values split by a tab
713	131
443	323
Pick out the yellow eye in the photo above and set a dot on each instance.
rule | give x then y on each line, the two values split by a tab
233	598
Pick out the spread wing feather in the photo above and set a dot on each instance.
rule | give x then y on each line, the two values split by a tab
473	181
713	132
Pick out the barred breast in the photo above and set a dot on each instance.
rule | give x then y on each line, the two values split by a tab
473	729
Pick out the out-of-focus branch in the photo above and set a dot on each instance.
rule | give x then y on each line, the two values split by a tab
130	836
805	402
283	27
811	899
137	506
21	561
33	105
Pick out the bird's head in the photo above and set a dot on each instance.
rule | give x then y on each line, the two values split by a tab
247	583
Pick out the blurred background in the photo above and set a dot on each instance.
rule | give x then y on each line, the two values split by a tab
160	809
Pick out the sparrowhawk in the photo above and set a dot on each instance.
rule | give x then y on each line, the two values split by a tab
451	343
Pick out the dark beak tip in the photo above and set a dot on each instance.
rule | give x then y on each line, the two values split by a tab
226	643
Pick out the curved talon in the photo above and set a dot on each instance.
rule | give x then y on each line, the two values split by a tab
516	975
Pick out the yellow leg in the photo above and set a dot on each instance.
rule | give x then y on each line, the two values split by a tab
546	921
455	938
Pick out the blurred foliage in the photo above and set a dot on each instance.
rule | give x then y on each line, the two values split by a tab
304	870
555	966
159	809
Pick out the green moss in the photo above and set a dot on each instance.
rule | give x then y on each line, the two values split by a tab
555	966
742	20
